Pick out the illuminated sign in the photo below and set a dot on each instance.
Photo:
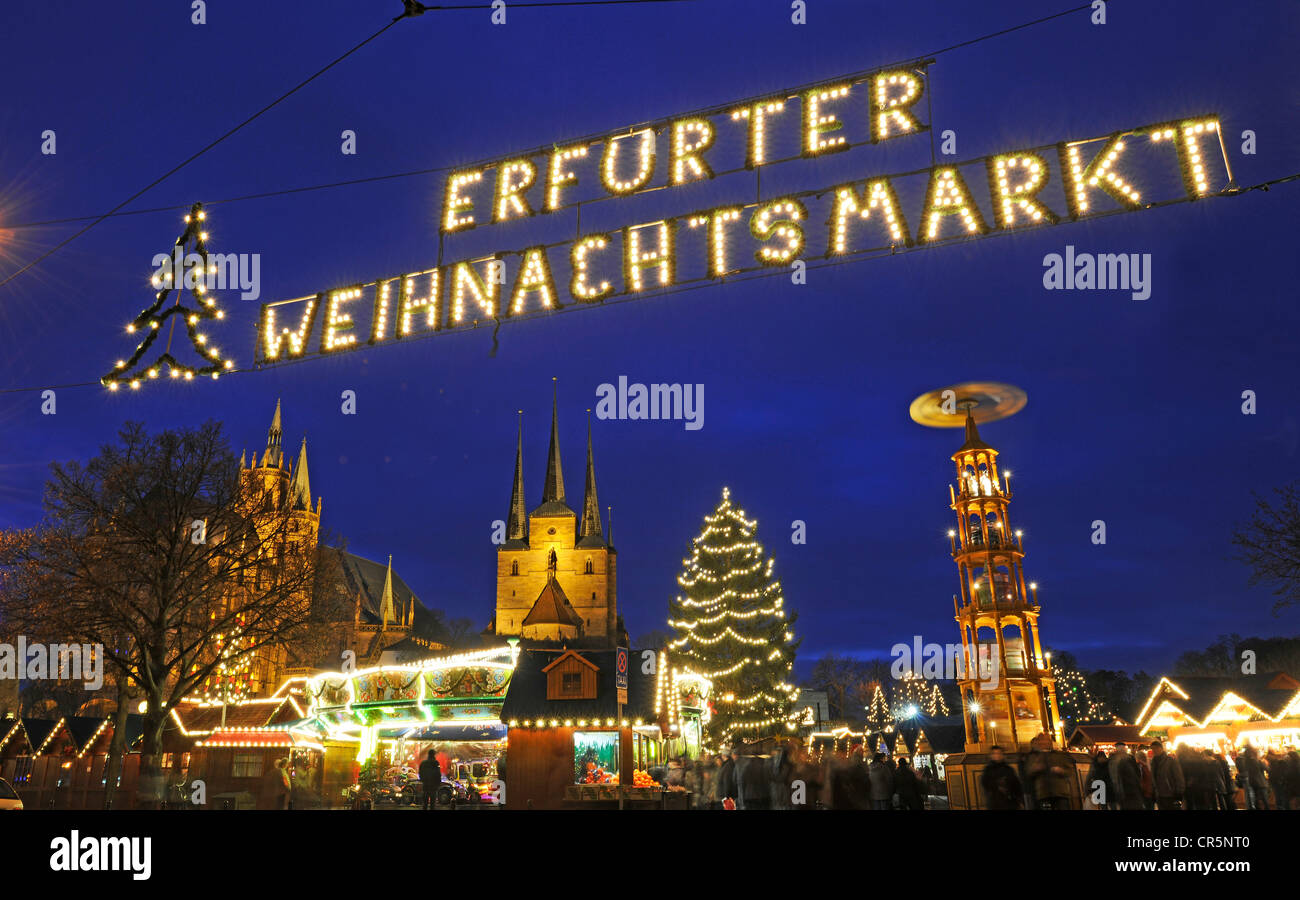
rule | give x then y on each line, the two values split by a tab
875	214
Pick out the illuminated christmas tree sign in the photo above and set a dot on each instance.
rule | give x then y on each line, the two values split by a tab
1133	169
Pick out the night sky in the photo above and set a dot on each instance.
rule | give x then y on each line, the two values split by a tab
1134	412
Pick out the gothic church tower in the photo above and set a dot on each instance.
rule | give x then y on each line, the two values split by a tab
556	571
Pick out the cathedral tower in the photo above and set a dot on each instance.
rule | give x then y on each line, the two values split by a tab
1008	691
556	572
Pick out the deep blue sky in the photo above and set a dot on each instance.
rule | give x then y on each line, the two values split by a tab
1134	411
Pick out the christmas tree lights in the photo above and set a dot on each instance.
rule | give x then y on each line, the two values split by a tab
1075	701
193	273
915	696
732	628
232	680
879	715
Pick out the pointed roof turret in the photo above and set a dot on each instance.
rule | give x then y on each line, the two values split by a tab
517	523
553	490
273	455
300	489
973	439
386	606
589	528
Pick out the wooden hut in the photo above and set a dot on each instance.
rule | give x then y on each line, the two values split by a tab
569	740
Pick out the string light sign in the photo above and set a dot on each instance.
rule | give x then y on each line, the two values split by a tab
1134	169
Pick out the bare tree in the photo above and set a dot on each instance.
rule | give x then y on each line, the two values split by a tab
158	551
1270	544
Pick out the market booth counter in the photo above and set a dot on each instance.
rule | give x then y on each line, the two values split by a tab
573	745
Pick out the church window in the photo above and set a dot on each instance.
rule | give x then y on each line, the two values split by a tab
514	567
590	567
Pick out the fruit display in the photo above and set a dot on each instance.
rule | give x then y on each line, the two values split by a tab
641	778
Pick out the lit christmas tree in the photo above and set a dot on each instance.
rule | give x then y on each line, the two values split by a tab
908	698
732	627
1075	701
879	716
193	273
937	705
231	681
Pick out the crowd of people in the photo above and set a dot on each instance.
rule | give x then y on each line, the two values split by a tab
1145	777
1150	777
1142	777
790	777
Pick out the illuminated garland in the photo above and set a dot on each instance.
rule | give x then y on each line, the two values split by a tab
153	317
732	629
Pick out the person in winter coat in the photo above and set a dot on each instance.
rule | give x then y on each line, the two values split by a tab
1049	773
1280	778
909	787
1254	778
857	781
1200	777
709	784
430	780
1216	782
1292	762
728	785
1098	787
1148	781
1226	787
1167	777
754	776
1126	779
880	776
278	788
1000	783
783	767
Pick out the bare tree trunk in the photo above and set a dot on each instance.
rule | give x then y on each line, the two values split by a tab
149	787
117	747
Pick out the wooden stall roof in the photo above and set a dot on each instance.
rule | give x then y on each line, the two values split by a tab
1091	735
195	718
30	736
1197	696
526	697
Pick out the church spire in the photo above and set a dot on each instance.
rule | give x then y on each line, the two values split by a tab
590	525
300	490
517	523
386	605
553	490
273	455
